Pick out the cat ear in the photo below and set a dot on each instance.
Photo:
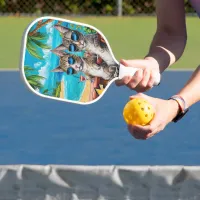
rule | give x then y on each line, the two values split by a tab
61	48
101	38
61	29
58	51
57	69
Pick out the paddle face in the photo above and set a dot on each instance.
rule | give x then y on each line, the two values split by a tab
67	61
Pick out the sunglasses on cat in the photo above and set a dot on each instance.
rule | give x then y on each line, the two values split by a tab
72	47
70	71
71	60
74	36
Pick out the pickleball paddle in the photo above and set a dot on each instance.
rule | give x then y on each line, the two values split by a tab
69	61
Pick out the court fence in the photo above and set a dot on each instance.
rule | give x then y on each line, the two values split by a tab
81	7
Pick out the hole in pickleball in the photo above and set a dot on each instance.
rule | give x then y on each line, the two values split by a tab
142	109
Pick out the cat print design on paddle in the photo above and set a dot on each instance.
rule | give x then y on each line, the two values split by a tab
72	39
91	65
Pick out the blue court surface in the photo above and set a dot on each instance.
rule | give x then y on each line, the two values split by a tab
35	130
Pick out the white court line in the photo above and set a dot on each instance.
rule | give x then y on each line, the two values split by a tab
8	70
180	70
174	70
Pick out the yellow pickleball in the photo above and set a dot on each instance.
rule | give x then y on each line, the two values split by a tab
138	111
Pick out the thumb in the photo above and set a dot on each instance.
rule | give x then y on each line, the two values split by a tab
141	95
155	123
134	63
150	129
149	99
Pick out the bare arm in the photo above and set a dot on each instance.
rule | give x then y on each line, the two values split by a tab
167	110
191	91
170	38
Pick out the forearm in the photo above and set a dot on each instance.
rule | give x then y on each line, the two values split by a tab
170	38
191	91
166	48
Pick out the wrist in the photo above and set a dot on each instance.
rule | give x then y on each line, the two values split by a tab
154	66
175	108
163	56
154	62
182	107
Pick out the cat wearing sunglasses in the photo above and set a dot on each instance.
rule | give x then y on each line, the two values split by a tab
75	41
91	65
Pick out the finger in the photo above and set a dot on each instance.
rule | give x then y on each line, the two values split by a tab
154	127
124	81
124	62
130	128
153	133
156	131
143	129
145	89
134	63
137	95
145	132
139	136
141	95
150	99
119	83
135	79
155	123
135	134
146	77
140	89
151	81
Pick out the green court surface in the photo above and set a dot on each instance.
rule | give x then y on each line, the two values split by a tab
129	37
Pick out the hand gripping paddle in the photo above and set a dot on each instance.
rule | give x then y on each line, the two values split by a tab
69	61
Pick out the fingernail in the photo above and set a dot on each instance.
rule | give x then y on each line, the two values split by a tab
150	135
131	97
122	60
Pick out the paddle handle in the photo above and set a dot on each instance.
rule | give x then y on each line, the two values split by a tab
130	71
